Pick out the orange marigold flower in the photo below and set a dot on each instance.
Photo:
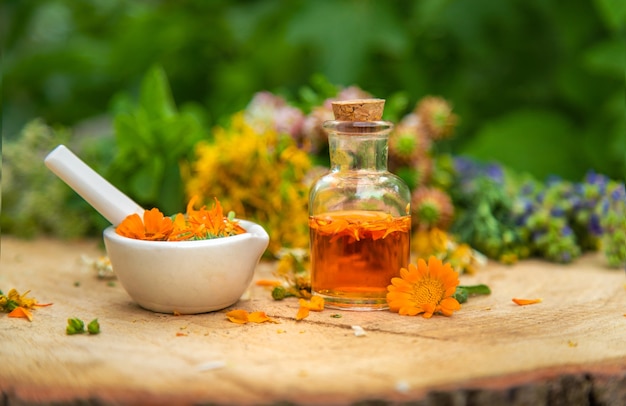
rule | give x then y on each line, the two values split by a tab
154	227
523	302
203	223
425	288
195	225
181	230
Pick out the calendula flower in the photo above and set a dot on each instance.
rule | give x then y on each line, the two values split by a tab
18	305
424	288
202	224
154	227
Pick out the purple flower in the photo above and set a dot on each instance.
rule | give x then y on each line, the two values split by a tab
557	212
619	193
469	169
269	111
594	226
566	231
594	178
566	257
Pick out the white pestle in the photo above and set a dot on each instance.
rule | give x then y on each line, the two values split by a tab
109	201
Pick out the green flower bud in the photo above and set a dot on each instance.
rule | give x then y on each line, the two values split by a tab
93	327
75	326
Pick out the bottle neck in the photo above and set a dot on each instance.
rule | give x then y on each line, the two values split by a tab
357	145
358	152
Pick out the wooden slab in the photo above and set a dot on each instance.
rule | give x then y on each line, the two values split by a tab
571	348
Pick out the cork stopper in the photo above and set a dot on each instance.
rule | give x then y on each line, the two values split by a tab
359	110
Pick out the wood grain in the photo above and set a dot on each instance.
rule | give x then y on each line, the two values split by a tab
569	349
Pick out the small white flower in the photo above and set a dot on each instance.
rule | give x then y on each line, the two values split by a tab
358	331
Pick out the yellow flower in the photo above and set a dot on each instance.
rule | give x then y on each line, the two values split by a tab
425	288
427	242
259	175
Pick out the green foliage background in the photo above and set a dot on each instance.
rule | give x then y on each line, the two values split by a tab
538	84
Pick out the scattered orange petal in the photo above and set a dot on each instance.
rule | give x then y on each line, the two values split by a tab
238	316
21	312
267	282
242	317
524	302
258	317
303	312
374	225
316	304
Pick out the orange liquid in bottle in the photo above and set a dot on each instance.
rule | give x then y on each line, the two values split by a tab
354	255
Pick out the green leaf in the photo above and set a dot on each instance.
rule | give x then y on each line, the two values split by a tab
538	142
477	290
146	181
613	13
345	21
10	305
171	190
607	57
460	295
125	129
156	96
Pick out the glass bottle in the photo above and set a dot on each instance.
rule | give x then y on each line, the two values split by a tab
359	213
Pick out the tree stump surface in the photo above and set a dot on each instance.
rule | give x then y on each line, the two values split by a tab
569	349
